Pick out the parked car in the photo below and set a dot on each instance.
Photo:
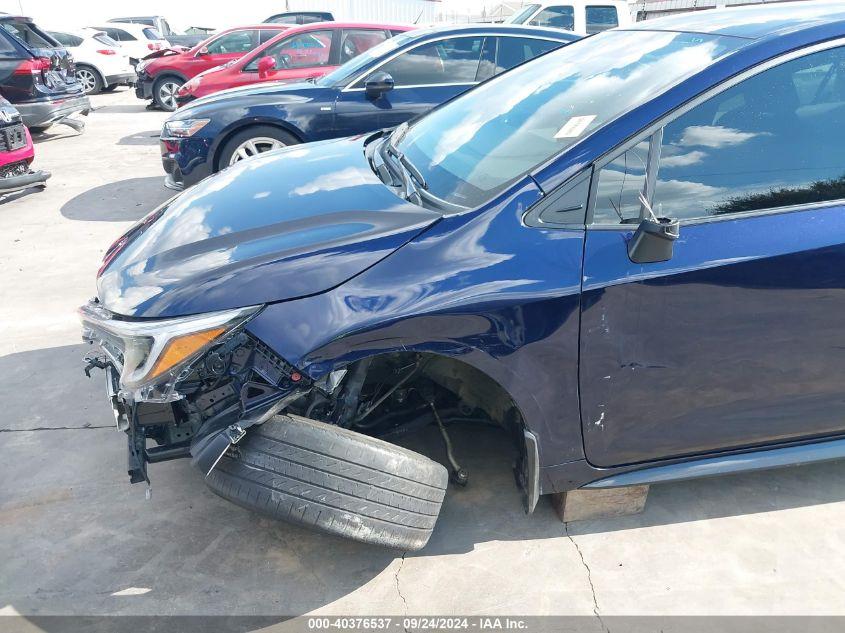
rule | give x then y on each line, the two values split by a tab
137	40
162	73
162	26
580	16
38	76
101	64
301	52
634	265
392	82
16	153
300	17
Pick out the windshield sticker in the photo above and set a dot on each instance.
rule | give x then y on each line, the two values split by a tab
575	126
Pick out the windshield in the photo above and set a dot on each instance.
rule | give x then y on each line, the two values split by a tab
342	75
521	16
471	148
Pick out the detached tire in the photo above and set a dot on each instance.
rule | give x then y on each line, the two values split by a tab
321	476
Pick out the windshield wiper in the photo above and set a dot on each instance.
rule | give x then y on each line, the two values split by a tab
404	170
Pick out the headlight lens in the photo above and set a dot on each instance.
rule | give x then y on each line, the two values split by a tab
184	128
153	354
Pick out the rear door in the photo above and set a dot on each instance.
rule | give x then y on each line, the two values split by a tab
424	76
297	57
739	339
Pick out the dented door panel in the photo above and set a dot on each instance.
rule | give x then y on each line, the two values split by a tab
736	341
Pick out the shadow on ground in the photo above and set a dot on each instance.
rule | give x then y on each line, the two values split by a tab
149	137
120	201
73	531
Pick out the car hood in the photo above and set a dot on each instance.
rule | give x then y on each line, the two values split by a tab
283	225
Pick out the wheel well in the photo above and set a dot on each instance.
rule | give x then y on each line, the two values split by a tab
228	136
399	392
94	68
168	75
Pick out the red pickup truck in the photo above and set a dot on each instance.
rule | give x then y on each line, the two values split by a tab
161	74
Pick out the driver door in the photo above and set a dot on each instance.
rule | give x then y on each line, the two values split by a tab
737	340
424	76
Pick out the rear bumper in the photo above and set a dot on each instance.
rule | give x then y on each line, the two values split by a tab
128	78
47	111
16	183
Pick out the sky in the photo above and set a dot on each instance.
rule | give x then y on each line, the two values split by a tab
57	14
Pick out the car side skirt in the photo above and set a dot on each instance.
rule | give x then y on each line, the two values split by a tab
580	474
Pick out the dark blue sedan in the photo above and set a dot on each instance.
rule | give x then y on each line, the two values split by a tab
389	84
628	255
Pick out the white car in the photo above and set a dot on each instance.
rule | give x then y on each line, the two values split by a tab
101	64
137	40
583	17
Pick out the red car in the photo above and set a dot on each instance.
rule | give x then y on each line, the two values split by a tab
302	52
161	74
16	153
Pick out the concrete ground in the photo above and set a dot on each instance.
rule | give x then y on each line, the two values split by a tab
76	538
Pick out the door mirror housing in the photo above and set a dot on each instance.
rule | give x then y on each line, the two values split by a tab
378	83
266	64
202	51
654	240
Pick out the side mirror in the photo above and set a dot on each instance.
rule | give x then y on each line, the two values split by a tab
653	241
266	64
377	84
202	51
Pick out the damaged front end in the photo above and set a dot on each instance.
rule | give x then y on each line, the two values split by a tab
186	387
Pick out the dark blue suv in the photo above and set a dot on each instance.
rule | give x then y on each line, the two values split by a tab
628	255
392	82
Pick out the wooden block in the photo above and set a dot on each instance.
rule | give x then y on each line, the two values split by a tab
599	503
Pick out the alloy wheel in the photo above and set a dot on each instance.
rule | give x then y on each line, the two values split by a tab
167	93
87	79
254	146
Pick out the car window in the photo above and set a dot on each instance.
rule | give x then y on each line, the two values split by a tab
234	42
776	139
450	61
66	39
28	34
265	35
283	19
516	50
478	143
560	17
102	38
356	41
166	28
151	34
601	18
6	46
522	15
120	35
302	50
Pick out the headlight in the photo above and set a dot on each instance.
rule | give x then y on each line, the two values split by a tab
183	128
153	355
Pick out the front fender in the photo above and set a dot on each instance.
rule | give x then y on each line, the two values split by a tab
480	287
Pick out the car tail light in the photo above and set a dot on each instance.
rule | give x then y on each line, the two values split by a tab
106	51
154	46
33	66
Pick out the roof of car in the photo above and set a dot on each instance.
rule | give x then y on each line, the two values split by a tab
752	22
126	26
516	29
